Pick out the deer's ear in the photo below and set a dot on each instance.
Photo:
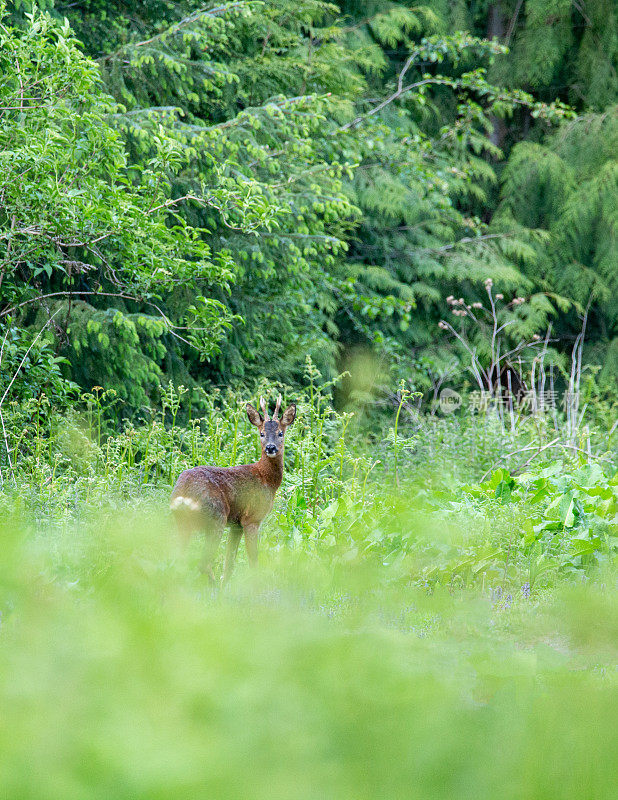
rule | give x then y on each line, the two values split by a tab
254	417
289	415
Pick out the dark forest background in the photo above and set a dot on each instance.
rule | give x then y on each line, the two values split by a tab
210	193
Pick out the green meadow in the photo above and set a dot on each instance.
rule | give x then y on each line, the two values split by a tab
409	636
402	218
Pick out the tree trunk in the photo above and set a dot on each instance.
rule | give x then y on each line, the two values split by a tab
496	28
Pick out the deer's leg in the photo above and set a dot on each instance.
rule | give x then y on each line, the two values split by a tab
186	526
230	554
211	545
213	526
251	542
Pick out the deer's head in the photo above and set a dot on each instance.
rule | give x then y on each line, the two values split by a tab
272	431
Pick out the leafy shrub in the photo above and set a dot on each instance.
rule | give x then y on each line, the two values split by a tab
571	514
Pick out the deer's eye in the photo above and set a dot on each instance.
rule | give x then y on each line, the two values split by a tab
280	434
262	435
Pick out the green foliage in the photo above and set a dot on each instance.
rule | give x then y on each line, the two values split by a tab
557	50
464	608
569	187
38	368
253	113
286	180
75	223
570	514
56	458
338	499
198	196
421	186
316	683
565	51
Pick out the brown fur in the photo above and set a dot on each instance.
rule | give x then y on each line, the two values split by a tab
209	498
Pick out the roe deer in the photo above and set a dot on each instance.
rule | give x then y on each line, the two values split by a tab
209	498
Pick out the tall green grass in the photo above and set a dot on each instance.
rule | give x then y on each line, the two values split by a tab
57	463
123	676
438	638
338	498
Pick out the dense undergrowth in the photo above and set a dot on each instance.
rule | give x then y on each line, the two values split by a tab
434	614
459	501
121	676
196	195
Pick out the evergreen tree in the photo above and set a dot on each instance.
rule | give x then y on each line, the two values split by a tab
289	178
83	245
569	188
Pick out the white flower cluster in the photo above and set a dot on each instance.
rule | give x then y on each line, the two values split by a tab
459	312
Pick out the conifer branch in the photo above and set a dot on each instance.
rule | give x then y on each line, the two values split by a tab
399	91
177	27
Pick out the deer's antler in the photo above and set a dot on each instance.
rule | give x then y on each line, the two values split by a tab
276	414
263	407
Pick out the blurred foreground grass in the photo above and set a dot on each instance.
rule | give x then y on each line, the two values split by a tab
123	676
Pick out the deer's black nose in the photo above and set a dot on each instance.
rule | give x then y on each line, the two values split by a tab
270	449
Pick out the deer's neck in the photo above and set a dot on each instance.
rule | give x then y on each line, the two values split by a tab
270	469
